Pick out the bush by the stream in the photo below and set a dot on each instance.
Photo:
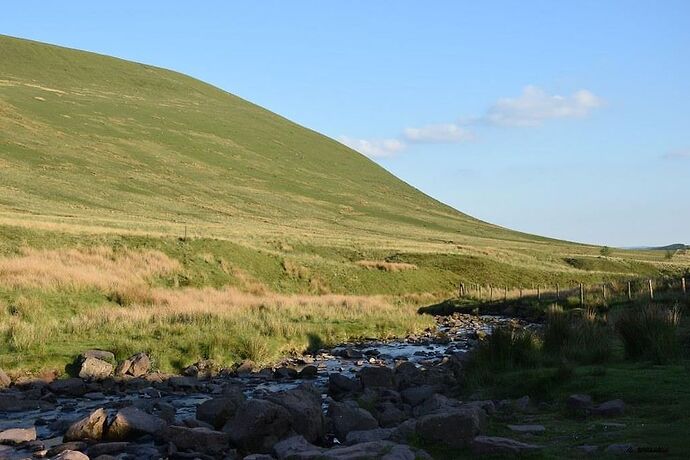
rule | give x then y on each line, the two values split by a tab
584	339
650	332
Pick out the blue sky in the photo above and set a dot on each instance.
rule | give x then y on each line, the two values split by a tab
566	119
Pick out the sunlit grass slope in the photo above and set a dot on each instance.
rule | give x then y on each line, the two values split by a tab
92	145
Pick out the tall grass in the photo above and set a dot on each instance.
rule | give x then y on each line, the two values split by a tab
584	339
650	332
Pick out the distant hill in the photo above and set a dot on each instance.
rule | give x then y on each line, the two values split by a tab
91	145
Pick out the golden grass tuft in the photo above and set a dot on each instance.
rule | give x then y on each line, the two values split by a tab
100	267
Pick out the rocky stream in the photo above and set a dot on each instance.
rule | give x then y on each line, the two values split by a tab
356	401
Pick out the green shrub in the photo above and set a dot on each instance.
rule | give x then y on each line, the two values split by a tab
585	339
650	332
508	348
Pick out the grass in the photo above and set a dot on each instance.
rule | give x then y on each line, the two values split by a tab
657	396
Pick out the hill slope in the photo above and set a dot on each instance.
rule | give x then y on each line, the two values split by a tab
91	144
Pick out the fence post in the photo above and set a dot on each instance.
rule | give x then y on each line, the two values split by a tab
603	291
682	282
491	293
521	292
480	292
538	293
582	295
629	292
505	293
558	292
651	290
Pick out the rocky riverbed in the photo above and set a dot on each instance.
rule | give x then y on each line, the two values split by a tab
355	401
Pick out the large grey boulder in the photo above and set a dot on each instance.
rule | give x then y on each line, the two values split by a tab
455	428
90	427
376	377
304	405
493	445
16	436
131	422
339	384
197	439
436	403
415	396
348	417
95	369
258	425
408	375
218	411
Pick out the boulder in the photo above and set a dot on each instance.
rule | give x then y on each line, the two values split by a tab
612	408
493	445
141	365
90	427
384	450
296	447
71	455
455	428
258	425
408	375
286	373
16	436
376	376
5	381
578	402
304	405
436	403
123	367
218	411
309	372
98	354
95	369
522	404
71	445
415	396
197	439
339	384
377	434
348	417
131	422
389	414
620	449
246	367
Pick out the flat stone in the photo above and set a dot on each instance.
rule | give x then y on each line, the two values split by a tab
107	448
578	402
296	447
377	434
72	445
492	445
98	354
527	428
16	436
454	428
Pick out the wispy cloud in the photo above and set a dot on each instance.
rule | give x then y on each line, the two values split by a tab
379	148
446	133
531	108
535	105
683	154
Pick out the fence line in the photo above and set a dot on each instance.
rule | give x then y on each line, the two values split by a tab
632	289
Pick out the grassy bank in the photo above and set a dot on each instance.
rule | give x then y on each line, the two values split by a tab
638	353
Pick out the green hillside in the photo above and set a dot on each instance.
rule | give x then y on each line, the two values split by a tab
93	145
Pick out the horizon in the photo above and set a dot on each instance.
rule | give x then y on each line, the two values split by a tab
472	143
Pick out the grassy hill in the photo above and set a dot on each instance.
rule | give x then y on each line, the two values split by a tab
109	168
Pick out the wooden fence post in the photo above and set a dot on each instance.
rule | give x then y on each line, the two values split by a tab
505	293
538	293
491	293
558	292
651	290
480	292
521	292
582	295
682	282
603	291
629	291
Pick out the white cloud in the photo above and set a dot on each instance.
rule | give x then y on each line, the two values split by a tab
448	133
380	148
677	155
535	105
